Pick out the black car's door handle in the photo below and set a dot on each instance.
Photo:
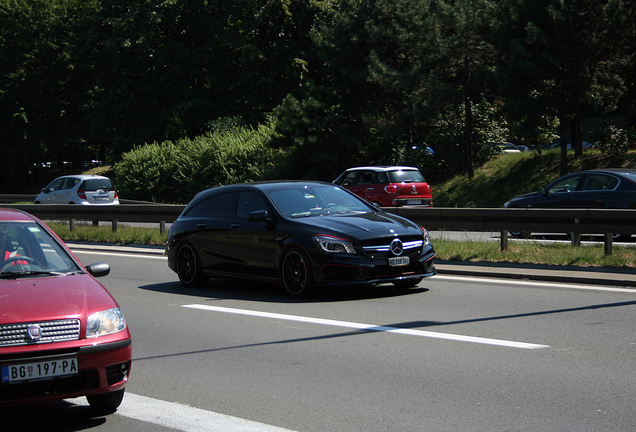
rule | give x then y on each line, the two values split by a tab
201	225
236	225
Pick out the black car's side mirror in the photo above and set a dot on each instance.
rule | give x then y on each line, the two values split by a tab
259	216
542	191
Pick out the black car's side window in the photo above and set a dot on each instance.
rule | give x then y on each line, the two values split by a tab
202	208
224	204
249	202
568	184
596	182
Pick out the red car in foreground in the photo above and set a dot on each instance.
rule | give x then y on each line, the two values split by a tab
62	334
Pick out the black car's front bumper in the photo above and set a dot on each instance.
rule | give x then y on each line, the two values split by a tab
357	270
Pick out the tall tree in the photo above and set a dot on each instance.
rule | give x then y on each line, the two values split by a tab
397	66
165	69
40	88
558	55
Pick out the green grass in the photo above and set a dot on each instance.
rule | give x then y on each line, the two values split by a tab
536	253
125	235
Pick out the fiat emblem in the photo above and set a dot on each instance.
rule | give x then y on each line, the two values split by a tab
413	190
396	247
34	331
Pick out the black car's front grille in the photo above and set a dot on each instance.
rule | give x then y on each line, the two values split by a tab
381	248
41	332
84	381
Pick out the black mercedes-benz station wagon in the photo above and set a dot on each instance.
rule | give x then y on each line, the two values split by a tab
303	234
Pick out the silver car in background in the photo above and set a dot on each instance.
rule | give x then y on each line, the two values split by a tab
79	189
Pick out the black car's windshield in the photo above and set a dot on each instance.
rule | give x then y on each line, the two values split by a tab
316	200
27	250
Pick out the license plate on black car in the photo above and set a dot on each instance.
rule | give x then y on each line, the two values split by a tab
398	261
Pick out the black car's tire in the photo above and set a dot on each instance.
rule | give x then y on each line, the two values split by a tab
189	268
297	275
408	283
106	402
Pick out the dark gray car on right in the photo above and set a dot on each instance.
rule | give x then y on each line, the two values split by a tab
612	188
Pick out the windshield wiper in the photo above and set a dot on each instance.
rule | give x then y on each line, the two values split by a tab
14	274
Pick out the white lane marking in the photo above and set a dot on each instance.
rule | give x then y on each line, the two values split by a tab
369	327
501	281
182	417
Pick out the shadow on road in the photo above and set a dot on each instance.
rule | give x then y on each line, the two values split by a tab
53	416
262	292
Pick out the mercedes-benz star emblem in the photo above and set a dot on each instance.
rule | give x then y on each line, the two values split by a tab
396	247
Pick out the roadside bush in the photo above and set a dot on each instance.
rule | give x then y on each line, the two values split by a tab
611	140
173	172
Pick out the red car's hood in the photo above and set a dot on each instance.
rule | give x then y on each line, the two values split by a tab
51	298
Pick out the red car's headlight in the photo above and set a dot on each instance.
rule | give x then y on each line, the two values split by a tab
105	322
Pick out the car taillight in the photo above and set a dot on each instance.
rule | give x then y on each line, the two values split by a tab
392	189
81	193
116	196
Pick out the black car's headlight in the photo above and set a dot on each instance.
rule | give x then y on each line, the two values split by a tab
105	322
331	244
427	238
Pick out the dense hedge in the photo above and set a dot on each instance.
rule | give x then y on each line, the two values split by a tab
173	172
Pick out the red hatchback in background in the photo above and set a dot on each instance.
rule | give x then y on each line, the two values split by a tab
387	186
62	334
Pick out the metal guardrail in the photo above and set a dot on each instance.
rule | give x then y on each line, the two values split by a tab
503	220
160	213
573	221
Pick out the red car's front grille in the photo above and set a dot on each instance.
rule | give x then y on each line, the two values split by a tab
49	331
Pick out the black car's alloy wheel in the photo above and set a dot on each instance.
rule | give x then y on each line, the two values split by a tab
189	266
297	276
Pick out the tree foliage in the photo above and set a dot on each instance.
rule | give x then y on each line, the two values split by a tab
350	81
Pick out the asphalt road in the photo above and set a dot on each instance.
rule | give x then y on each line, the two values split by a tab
455	354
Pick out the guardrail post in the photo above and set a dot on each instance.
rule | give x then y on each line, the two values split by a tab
608	243
114	225
162	227
576	239
504	240
71	225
